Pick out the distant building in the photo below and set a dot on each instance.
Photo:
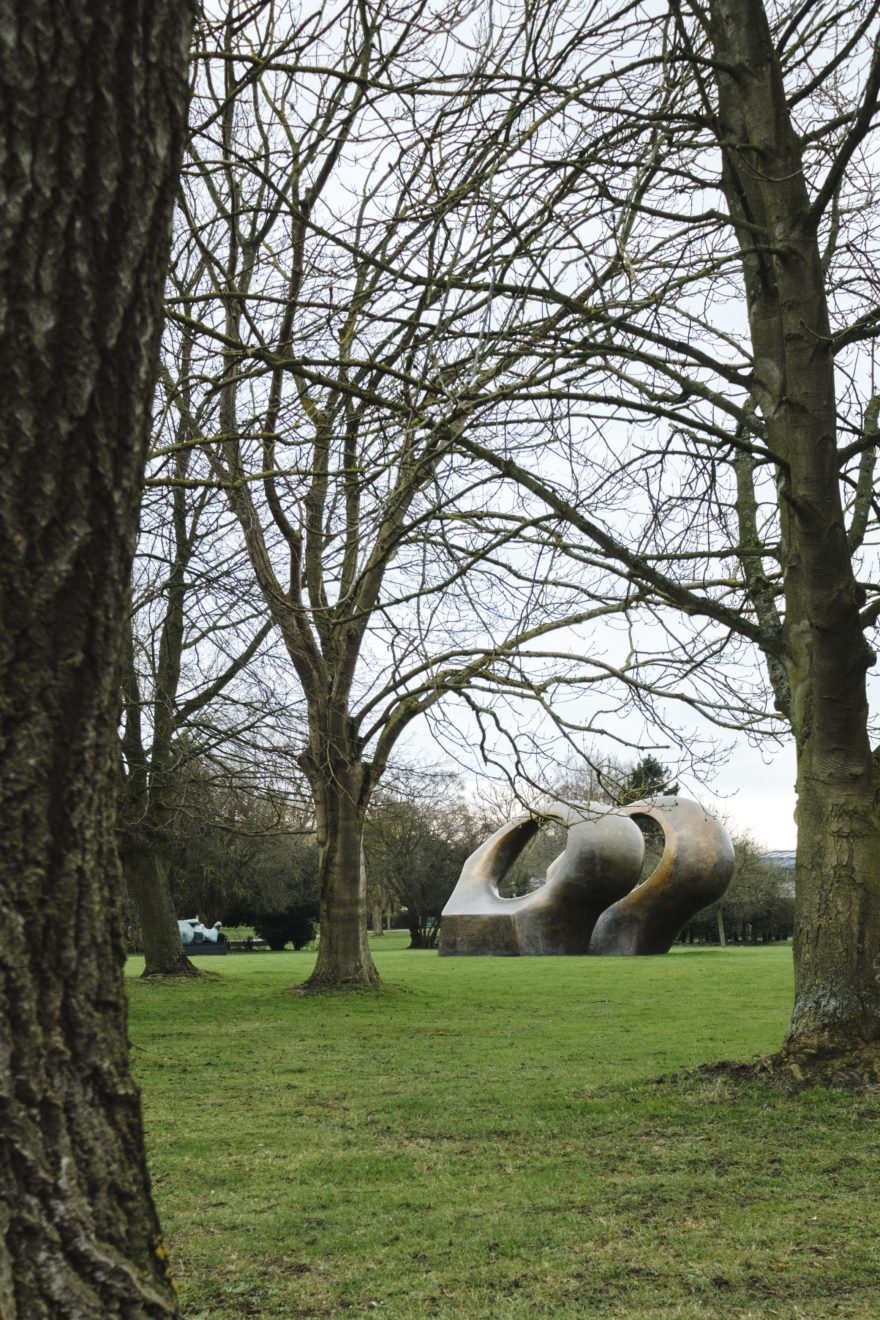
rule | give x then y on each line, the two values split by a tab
781	857
784	859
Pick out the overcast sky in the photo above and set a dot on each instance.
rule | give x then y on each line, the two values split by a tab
755	793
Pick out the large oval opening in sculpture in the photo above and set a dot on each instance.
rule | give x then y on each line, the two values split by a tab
694	870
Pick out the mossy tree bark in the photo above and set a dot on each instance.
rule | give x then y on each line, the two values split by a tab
820	683
146	873
92	113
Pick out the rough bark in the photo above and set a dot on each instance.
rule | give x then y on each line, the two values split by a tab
344	960
92	113
146	873
837	925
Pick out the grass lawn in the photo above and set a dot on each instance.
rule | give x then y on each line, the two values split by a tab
482	1138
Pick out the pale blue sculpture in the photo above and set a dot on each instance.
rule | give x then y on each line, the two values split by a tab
193	932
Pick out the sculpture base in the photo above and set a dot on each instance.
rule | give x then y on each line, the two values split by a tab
476	936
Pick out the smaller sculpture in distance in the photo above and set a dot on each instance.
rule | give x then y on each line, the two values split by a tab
193	932
591	901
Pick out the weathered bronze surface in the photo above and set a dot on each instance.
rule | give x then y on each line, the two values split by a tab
694	871
590	902
600	864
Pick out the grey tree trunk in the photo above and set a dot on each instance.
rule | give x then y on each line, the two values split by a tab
91	124
142	814
837	922
344	959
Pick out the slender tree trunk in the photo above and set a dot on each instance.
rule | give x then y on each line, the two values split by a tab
722	935
344	959
146	873
91	123
423	933
143	818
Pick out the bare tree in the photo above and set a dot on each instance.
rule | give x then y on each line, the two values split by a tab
93	116
528	257
718	314
314	258
191	695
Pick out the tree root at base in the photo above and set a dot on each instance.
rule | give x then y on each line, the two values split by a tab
350	986
856	1068
187	972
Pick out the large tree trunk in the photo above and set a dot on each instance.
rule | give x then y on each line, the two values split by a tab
146	873
92	116
837	915
837	923
344	959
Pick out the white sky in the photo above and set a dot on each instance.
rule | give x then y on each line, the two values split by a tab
754	792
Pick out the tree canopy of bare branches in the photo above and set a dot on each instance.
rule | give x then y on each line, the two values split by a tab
719	313
321	320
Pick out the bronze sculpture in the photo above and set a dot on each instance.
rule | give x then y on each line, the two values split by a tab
591	901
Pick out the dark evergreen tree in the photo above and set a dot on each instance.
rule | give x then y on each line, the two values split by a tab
648	779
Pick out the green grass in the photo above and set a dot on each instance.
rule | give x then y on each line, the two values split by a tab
482	1138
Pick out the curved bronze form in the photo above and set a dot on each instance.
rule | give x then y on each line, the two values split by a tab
588	903
694	871
601	862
